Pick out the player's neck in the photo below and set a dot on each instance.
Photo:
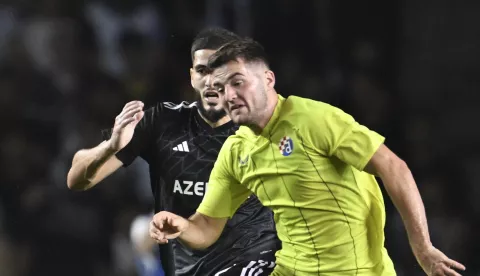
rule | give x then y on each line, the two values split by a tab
220	122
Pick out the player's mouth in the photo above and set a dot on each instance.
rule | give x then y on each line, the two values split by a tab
211	97
235	107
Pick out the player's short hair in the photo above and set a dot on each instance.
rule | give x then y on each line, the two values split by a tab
212	38
247	49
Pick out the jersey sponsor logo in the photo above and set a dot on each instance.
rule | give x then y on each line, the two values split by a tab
182	147
186	187
286	146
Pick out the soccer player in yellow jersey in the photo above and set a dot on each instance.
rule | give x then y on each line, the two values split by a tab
315	167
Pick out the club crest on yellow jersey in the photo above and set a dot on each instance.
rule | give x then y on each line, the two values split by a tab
286	146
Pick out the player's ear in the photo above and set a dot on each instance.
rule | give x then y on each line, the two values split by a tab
270	77
191	76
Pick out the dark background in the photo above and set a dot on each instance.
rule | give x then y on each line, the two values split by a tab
407	69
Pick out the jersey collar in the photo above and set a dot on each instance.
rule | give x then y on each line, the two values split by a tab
227	126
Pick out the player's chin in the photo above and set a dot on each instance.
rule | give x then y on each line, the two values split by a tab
239	119
212	106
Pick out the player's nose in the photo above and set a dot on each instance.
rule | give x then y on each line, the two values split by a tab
209	81
230	94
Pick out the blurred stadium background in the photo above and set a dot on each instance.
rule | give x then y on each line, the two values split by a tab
408	69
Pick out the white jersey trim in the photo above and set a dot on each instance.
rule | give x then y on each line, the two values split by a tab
173	106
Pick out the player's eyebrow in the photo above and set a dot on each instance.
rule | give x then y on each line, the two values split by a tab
199	66
231	76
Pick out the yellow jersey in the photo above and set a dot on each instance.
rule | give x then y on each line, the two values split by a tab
307	166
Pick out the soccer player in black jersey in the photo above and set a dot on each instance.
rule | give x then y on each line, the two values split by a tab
181	143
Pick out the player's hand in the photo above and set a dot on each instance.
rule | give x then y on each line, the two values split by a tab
435	263
165	226
125	124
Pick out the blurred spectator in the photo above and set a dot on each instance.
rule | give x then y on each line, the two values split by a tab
8	20
233	14
146	256
111	19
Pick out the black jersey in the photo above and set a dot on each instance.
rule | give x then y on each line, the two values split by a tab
181	149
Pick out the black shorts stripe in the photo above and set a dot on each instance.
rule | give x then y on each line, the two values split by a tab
249	268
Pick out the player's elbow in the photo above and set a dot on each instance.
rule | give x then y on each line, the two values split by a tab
74	183
211	229
199	245
386	164
395	167
70	182
76	178
213	233
401	166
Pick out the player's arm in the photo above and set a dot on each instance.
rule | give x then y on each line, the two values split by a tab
197	232
203	231
223	197
140	236
90	166
341	136
402	189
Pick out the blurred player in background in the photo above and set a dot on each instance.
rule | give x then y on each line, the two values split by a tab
315	166
181	143
147	259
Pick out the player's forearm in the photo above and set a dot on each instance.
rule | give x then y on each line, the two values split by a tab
201	233
86	164
404	193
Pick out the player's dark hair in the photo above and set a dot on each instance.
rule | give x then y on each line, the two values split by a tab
212	38
247	49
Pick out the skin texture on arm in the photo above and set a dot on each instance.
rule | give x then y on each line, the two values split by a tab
198	232
210	228
90	166
402	189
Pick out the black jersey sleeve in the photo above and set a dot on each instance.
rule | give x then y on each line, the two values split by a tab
144	136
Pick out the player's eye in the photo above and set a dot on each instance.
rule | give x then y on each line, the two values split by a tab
237	83
201	71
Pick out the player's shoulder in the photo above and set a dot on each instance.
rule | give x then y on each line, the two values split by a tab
300	108
234	141
234	144
169	112
305	105
176	108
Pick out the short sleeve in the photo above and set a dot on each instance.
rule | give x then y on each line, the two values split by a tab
143	137
335	133
224	193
